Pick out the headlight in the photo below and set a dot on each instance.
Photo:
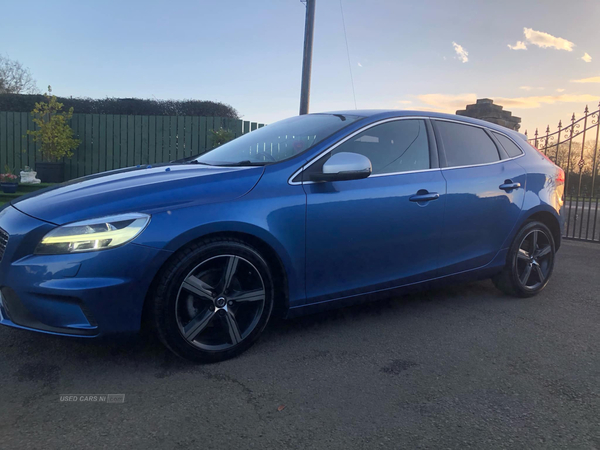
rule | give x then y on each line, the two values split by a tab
93	235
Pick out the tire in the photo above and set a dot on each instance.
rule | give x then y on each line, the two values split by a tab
526	273
212	300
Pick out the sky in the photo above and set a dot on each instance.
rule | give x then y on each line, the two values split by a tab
539	59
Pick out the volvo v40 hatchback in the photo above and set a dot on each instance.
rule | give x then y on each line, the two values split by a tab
312	212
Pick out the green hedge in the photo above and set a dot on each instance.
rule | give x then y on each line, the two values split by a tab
129	106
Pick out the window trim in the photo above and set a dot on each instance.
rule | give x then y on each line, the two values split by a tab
442	152
494	132
431	139
501	149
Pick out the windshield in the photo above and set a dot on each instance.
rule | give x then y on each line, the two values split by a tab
277	142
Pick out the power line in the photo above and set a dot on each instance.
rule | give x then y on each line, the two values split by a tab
348	53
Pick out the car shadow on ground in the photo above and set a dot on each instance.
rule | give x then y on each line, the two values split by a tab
144	351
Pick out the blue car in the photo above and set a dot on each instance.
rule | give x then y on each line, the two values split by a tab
313	212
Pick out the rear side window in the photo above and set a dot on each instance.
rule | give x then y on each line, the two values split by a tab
511	148
466	145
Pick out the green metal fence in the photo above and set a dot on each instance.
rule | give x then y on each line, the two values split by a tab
111	141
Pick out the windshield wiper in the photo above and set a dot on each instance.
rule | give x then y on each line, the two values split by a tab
195	161
243	163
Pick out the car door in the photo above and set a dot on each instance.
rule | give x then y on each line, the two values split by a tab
485	193
382	231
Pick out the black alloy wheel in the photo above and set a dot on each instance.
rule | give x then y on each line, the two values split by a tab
529	263
213	300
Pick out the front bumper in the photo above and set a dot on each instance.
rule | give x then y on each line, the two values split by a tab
84	295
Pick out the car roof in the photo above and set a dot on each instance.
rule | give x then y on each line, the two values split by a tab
376	114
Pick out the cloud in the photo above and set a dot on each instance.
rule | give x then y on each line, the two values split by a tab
405	102
545	40
428	109
462	54
587	58
538	101
446	103
560	90
520	45
451	103
359	65
587	80
529	88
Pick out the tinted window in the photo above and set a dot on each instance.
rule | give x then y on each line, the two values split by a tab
397	146
466	145
511	149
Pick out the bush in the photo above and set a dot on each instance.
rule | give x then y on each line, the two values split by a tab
221	136
133	106
53	131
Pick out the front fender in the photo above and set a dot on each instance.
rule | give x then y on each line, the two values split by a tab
277	221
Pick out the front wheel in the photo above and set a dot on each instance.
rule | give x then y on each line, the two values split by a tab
529	263
213	300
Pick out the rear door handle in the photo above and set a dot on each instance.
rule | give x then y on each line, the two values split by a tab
509	185
424	197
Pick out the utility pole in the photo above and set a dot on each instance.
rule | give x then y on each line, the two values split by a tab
309	29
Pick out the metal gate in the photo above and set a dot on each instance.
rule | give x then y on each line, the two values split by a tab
574	147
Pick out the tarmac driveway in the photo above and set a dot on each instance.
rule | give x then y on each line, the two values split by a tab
463	367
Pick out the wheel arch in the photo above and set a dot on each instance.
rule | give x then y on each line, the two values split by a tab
551	221
266	250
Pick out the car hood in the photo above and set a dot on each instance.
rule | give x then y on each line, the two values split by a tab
140	189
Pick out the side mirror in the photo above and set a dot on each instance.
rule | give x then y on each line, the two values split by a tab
344	166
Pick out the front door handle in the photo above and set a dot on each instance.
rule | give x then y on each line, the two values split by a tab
509	185
424	196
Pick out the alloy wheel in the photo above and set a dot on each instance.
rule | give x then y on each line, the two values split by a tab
533	263
220	302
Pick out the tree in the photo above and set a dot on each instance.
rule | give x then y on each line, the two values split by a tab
221	136
14	78
53	130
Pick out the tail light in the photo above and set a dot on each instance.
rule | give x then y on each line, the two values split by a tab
560	185
560	176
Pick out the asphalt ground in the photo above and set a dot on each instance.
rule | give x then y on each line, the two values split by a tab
458	368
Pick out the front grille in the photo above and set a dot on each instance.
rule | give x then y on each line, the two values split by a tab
3	242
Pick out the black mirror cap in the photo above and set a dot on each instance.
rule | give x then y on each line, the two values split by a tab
340	176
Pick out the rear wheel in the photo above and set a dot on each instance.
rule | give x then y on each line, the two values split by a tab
529	263
213	300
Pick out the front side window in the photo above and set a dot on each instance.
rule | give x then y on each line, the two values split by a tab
277	142
392	147
466	145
